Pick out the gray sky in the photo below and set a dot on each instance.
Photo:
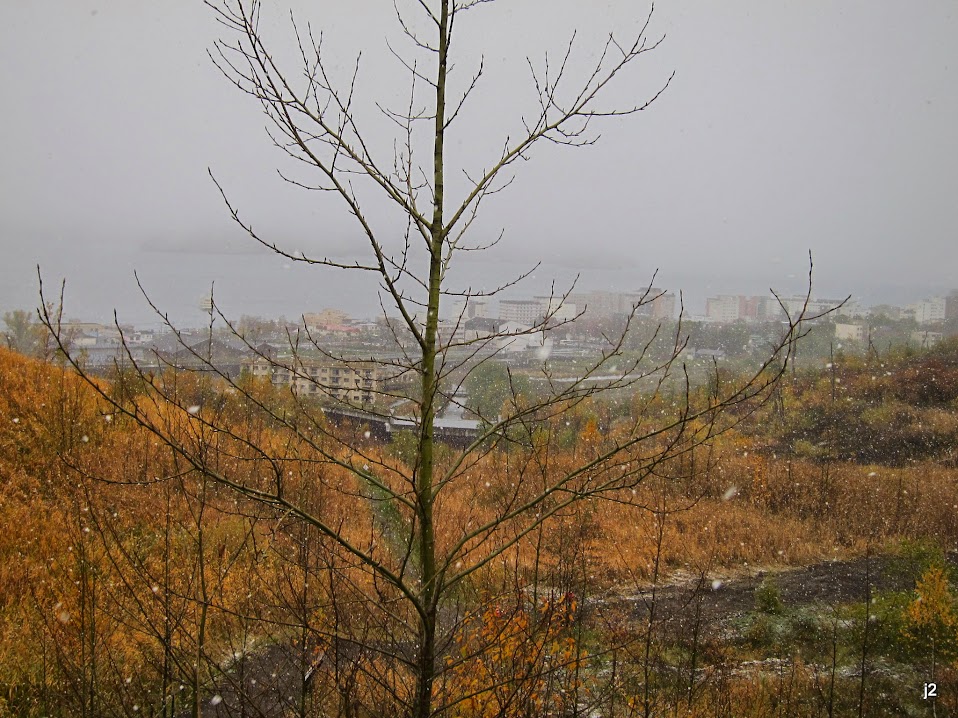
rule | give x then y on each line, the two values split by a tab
789	126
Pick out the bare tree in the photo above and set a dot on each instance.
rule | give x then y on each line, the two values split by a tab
419	538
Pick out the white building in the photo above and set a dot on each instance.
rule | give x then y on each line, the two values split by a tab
521	311
724	308
928	311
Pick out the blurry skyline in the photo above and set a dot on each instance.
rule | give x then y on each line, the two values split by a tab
789	127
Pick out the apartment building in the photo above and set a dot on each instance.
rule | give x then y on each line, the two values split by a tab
521	311
928	311
656	303
356	383
851	332
724	308
736	307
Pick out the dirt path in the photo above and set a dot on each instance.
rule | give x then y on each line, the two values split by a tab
832	583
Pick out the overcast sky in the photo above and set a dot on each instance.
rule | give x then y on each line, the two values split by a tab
789	126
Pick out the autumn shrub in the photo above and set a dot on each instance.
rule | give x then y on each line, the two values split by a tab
930	620
516	659
930	380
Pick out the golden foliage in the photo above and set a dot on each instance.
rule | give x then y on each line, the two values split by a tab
514	661
102	549
930	620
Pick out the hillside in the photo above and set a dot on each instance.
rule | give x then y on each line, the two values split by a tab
127	580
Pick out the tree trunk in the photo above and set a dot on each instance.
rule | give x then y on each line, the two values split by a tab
422	706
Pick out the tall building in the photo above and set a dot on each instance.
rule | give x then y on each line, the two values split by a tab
951	305
928	311
724	308
663	305
521	311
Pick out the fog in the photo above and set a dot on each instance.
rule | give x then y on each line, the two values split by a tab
789	127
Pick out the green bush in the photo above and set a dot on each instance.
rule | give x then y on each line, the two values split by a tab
768	598
914	557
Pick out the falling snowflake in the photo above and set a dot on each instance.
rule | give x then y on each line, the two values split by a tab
194	409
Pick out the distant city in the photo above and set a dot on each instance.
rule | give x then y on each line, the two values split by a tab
652	303
517	329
